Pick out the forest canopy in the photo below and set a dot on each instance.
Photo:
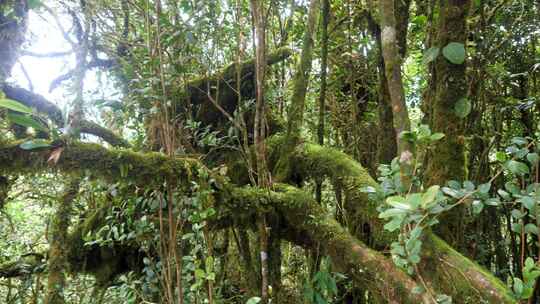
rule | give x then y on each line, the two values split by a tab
269	151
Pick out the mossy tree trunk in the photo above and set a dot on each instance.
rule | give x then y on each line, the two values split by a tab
57	263
447	160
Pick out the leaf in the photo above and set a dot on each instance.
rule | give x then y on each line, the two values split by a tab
436	136
397	202
518	287
429	196
14	106
34	144
532	158
531	229
55	155
528	202
500	156
393	224
462	108
392	212
477	206
253	300
517	214
430	55
484	188
26	121
517	168
454	52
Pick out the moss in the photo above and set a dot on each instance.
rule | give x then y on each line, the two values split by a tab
141	168
452	273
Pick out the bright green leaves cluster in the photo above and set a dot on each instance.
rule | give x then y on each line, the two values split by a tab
453	52
523	289
411	210
322	287
421	136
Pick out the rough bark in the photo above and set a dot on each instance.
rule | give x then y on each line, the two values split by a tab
447	161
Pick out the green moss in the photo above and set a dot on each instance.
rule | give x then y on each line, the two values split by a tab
452	273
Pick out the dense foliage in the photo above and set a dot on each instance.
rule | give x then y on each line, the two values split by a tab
220	151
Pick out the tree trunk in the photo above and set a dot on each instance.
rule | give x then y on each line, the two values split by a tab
447	161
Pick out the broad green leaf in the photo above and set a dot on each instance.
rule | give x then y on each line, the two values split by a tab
517	214
477	206
436	136
528	202
429	196
532	158
454	52
517	167
430	55
393	224
392	212
531	228
253	300
518	287
34	144
26	121
462	108
484	188
398	202
14	106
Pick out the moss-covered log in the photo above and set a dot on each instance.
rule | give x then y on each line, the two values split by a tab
313	161
299	212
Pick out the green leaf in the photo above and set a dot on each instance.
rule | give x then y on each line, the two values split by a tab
253	300
477	206
429	196
436	136
532	158
518	287
528	202
398	202
26	121
484	188
14	106
393	224
392	212
500	156
462	108
430	55
34	144
454	52
531	229
516	167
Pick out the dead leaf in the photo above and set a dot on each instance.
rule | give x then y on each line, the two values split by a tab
55	155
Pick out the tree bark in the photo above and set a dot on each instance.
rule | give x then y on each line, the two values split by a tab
447	160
